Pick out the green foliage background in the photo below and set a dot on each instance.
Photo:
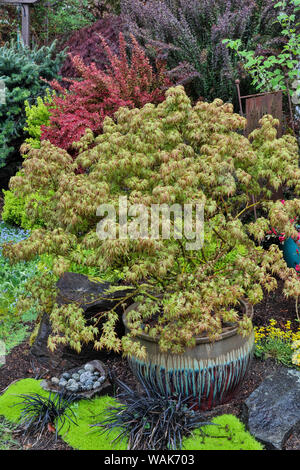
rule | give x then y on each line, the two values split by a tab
21	70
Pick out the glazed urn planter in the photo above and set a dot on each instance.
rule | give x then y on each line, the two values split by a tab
291	252
209	373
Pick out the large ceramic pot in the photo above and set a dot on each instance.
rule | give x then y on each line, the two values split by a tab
210	373
291	252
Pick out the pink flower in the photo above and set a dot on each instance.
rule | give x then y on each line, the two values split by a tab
282	201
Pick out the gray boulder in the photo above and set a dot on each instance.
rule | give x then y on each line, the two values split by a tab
91	296
272	411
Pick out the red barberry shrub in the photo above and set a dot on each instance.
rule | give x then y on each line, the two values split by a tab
131	83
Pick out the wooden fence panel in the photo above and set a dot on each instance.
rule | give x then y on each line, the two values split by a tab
258	106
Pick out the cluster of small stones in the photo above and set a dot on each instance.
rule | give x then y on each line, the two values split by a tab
86	379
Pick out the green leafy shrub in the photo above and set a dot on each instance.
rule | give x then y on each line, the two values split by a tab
37	115
14	207
272	72
17	210
48	261
170	153
21	70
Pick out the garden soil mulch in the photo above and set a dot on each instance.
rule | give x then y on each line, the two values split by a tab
20	363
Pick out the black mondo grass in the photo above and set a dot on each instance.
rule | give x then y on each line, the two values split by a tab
38	412
151	421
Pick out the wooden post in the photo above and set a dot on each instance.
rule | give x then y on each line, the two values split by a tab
26	24
25	7
237	83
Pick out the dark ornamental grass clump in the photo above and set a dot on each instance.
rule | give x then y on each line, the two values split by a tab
150	421
40	414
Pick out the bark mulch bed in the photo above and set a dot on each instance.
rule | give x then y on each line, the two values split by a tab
20	363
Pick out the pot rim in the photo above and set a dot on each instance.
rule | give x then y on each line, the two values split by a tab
230	331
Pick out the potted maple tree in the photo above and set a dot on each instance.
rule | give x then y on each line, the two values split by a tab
189	327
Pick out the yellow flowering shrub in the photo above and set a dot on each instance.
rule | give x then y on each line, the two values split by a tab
283	344
296	353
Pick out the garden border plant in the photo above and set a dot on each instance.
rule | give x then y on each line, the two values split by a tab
40	413
282	344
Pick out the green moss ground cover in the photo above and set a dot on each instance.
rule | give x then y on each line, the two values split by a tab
229	435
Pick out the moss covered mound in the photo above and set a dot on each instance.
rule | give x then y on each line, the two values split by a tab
229	434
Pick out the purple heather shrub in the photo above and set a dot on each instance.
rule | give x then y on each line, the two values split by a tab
190	33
